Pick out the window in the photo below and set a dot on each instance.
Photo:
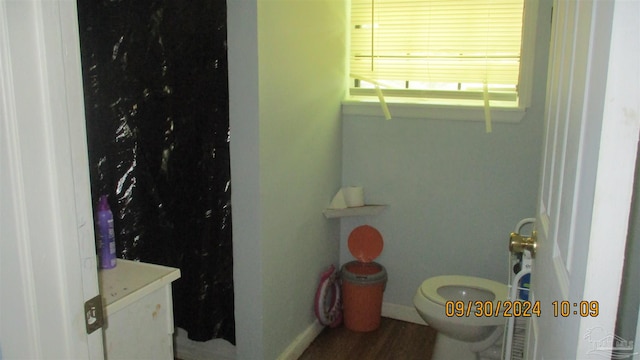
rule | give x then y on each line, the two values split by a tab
455	52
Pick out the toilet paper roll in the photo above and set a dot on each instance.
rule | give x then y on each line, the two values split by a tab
338	201
353	196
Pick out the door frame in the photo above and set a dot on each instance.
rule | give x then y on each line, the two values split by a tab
48	265
615	174
604	187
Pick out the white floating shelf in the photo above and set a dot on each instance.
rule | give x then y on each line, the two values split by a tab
366	210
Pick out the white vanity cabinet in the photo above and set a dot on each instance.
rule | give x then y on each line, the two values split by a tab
138	310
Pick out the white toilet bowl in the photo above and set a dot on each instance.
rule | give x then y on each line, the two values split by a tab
474	326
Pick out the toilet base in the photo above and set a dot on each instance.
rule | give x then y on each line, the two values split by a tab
447	348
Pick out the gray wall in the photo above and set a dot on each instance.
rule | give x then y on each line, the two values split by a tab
302	49
287	70
627	319
454	192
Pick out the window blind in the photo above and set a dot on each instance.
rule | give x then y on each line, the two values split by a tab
437	44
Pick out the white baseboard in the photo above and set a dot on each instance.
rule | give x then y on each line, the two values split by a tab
301	342
402	312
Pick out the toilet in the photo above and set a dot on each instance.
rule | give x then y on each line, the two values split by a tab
478	332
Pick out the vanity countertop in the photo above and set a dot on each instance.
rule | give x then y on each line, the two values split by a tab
130	281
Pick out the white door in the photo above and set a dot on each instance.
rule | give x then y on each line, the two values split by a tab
47	251
592	123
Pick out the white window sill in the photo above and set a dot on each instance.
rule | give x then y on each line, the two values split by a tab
426	111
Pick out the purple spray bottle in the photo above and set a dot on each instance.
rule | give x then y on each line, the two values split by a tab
106	235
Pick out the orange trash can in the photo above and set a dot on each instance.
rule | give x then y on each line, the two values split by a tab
363	284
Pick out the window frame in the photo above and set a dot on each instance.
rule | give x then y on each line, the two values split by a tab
451	108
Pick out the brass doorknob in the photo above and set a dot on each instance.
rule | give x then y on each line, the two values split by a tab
519	243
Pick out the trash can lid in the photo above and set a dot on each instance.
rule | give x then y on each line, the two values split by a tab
365	243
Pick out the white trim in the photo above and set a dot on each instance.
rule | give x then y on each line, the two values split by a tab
616	160
13	207
402	312
527	54
302	342
432	111
39	256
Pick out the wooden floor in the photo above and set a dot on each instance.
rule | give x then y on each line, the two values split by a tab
394	339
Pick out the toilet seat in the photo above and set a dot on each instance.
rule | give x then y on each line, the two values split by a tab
429	287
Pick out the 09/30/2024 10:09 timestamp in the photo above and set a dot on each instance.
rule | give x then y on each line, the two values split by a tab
519	308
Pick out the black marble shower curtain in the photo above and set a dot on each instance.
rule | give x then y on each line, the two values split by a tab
156	95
